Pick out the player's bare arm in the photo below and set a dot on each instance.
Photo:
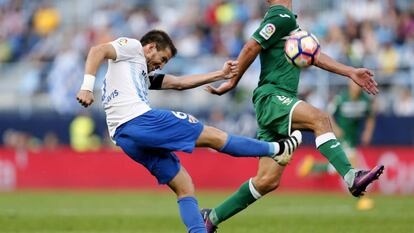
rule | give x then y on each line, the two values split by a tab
230	69
361	76
246	57
97	54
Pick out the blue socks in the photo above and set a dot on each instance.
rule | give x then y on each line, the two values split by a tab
238	146
190	215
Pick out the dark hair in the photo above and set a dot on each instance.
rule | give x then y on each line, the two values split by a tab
161	39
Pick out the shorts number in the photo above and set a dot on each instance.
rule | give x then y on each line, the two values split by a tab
284	99
179	115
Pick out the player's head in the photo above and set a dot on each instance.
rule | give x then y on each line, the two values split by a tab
287	3
158	49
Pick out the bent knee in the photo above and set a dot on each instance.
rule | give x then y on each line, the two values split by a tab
266	184
212	137
321	121
185	191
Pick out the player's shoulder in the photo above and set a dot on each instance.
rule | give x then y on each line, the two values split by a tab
127	48
126	42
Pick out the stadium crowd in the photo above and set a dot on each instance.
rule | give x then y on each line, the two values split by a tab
43	45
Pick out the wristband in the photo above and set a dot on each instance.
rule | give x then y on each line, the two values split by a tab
88	82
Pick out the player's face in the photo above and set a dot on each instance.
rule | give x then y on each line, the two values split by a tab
156	59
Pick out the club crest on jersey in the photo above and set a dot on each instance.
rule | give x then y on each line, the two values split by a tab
122	41
267	31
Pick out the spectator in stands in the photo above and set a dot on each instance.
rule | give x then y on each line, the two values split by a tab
82	137
377	34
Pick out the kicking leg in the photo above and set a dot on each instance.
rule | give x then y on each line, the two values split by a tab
307	117
238	146
183	186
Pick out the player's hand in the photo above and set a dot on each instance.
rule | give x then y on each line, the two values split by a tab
223	88
365	79
230	69
85	98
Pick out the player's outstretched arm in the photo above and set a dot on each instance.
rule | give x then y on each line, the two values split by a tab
361	76
229	70
96	55
249	52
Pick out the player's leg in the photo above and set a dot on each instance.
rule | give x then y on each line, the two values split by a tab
177	131
267	179
274	118
310	166
365	202
165	166
307	117
239	146
183	186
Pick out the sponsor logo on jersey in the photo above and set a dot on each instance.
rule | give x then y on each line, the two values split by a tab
122	41
284	15
267	31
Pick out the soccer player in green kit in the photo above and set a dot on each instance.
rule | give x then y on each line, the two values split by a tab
279	112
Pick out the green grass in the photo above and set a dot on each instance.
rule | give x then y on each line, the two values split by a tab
150	212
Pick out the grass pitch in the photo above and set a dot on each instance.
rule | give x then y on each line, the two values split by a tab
151	212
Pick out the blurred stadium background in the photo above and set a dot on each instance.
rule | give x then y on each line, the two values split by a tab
48	142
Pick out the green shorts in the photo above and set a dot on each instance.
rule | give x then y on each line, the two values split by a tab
274	115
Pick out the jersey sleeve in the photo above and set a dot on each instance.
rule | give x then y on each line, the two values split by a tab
127	48
273	29
155	80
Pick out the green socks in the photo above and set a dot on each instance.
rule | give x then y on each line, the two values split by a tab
246	195
330	147
326	143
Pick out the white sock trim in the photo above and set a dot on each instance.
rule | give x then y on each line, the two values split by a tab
290	116
253	190
276	148
321	139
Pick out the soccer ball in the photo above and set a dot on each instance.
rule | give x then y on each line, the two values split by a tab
302	49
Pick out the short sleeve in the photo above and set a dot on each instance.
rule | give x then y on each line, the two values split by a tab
273	29
156	80
127	48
